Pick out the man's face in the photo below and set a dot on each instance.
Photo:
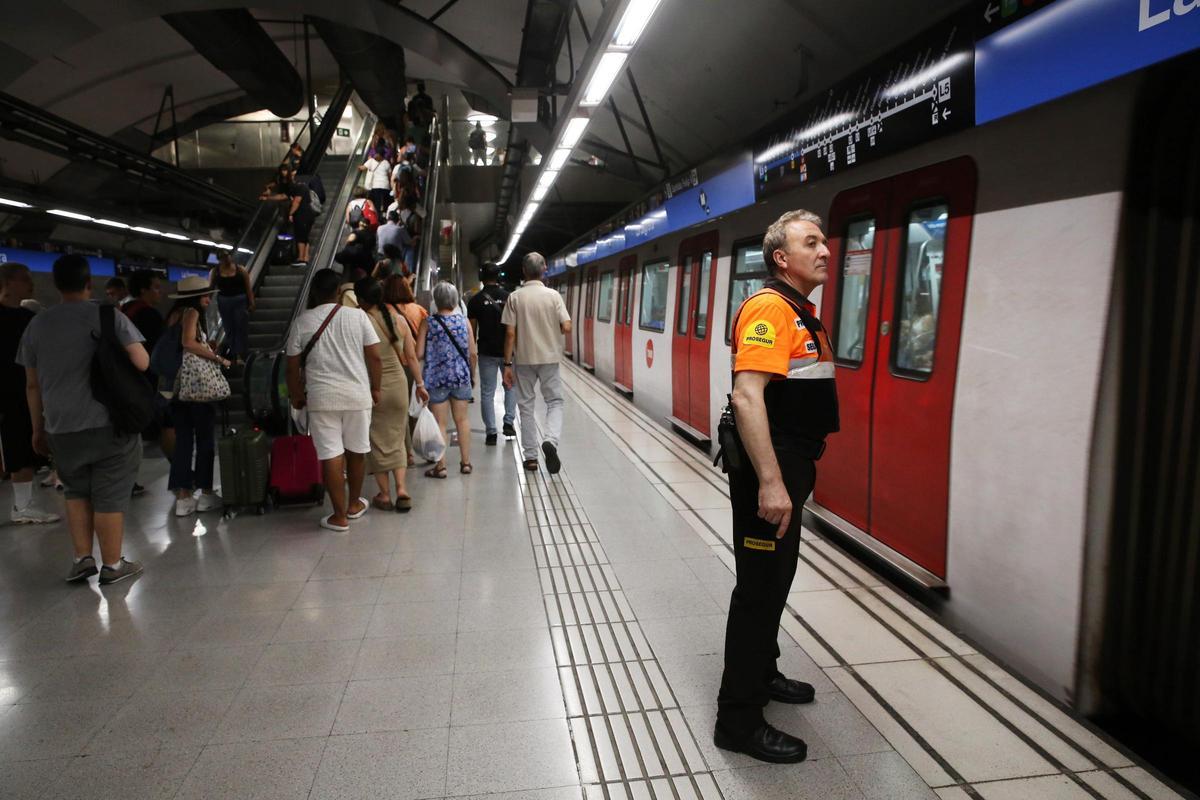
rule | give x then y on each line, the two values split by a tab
115	293
153	295
806	257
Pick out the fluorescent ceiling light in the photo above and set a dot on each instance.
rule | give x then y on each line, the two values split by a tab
539	193
530	210
16	203
225	246
112	223
205	242
479	116
547	178
245	250
521	226
633	21
602	79
177	236
58	212
573	132
559	158
149	231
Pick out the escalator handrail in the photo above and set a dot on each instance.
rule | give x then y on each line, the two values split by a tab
429	228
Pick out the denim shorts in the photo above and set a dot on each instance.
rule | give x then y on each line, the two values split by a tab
440	394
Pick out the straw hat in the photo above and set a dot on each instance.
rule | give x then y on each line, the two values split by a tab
191	286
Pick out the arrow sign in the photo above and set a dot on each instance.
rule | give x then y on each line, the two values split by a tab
990	12
946	114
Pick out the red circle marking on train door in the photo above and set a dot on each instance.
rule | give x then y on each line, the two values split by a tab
649	354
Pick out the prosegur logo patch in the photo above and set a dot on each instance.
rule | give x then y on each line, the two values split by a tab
761	333
765	545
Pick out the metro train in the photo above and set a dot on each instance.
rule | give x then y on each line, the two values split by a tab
983	304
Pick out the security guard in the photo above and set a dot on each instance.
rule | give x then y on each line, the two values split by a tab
784	404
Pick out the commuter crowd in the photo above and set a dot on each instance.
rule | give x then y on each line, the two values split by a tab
86	381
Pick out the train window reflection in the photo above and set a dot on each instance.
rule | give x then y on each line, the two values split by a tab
920	289
630	288
685	296
654	296
855	290
604	304
702	300
749	273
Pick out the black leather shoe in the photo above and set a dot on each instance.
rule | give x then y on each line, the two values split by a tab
490	441
509	431
787	690
765	744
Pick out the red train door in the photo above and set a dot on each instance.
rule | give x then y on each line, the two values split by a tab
623	326
569	339
695	289
896	379
589	320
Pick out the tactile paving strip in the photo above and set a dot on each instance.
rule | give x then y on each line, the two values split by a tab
631	740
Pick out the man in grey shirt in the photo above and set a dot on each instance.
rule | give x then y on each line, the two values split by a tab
96	464
537	319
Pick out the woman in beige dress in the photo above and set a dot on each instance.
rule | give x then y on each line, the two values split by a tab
389	419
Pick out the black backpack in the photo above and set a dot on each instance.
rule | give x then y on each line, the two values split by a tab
117	384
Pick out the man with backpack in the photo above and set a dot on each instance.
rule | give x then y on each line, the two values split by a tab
97	456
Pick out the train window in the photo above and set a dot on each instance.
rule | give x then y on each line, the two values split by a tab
604	304
920	289
654	296
630	289
855	289
685	296
747	277
589	296
700	329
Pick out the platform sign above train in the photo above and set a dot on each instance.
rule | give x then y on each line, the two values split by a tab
919	91
1070	45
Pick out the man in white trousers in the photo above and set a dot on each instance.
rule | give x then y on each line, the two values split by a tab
537	319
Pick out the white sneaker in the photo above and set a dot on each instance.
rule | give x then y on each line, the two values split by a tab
209	502
33	516
185	506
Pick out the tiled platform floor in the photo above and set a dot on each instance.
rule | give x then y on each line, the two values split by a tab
550	639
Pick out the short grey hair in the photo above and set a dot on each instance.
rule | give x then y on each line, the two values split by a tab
533	266
445	296
776	236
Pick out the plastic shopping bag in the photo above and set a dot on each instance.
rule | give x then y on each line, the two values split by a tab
414	404
427	439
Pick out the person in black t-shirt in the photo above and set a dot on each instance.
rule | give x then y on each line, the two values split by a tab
145	289
484	310
16	427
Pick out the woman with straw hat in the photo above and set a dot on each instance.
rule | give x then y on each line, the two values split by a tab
195	420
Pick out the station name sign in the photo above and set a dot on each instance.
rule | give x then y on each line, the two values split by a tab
919	91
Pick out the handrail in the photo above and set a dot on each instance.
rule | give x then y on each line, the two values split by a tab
429	229
334	230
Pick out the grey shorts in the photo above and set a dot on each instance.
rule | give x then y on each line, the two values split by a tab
98	465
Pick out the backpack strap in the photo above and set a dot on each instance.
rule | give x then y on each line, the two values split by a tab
313	341
453	341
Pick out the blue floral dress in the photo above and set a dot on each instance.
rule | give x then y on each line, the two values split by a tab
444	366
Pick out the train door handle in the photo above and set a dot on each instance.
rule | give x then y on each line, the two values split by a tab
884	328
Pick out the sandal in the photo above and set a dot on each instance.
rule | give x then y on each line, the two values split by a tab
404	504
531	465
438	471
466	469
381	504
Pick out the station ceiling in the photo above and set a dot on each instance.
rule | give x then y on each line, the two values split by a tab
709	73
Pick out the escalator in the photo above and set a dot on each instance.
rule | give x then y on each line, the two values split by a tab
285	289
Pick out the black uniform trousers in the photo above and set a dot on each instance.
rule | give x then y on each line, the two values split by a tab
765	568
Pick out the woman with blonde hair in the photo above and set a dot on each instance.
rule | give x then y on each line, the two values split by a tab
389	419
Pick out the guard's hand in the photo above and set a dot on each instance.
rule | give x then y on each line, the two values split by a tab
41	443
509	377
775	506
